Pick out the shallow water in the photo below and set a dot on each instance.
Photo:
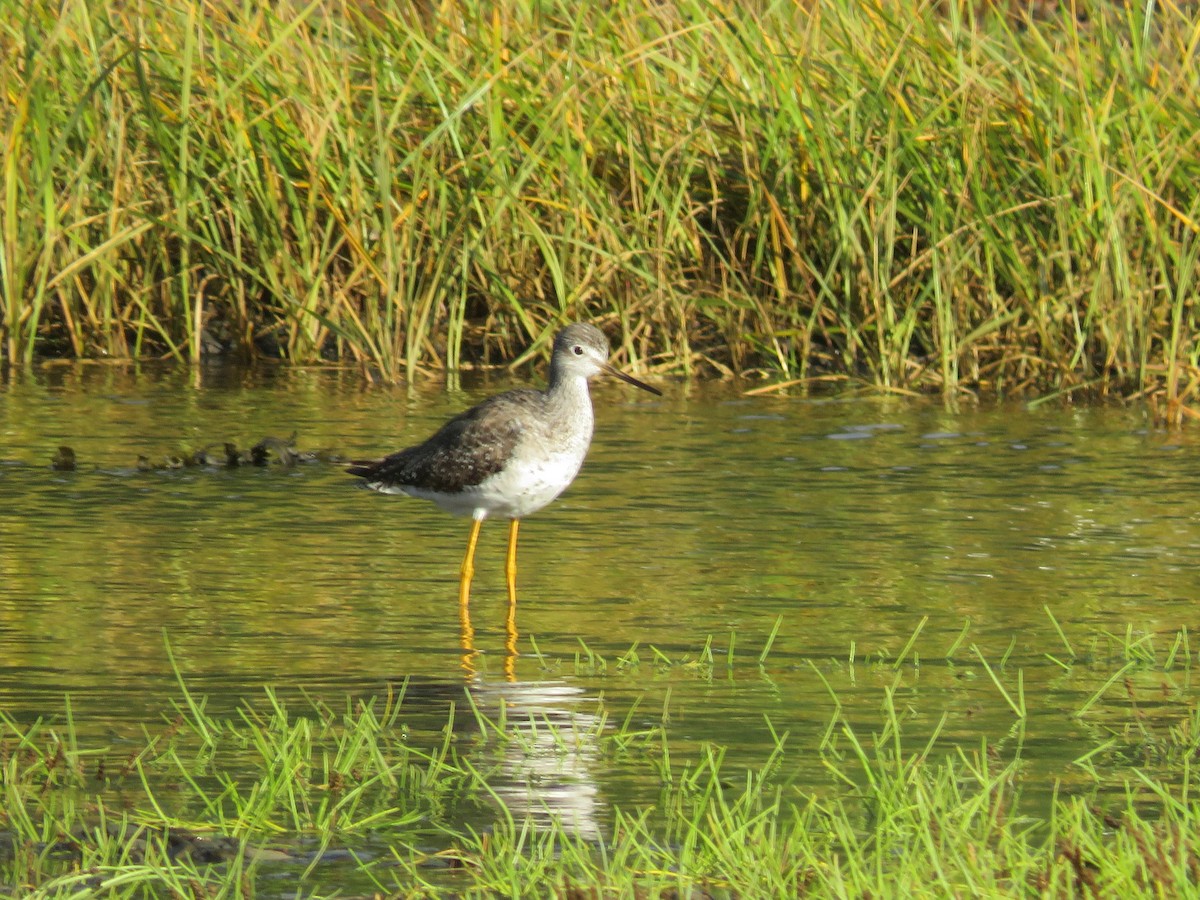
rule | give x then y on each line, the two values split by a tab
702	518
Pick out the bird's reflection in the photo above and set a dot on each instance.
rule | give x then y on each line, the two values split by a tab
549	759
470	654
548	769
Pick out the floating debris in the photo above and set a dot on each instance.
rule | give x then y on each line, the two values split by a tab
177	842
260	453
227	455
217	455
64	460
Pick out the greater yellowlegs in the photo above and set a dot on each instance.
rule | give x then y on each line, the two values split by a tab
510	455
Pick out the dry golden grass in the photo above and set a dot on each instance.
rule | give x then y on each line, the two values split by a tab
917	196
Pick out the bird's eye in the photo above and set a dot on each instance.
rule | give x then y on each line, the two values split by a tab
578	350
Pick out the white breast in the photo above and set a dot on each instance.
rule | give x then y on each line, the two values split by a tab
522	489
545	460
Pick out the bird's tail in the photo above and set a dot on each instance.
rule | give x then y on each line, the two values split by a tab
363	468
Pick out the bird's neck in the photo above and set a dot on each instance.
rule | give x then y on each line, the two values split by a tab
568	397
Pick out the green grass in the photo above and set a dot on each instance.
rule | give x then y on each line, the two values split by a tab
350	799
914	195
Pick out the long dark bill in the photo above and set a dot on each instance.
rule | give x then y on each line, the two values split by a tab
613	370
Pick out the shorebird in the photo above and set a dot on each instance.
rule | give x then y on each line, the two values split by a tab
510	455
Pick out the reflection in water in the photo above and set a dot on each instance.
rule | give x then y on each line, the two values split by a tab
467	637
550	752
550	738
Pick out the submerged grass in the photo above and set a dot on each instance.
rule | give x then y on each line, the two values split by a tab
915	194
350	801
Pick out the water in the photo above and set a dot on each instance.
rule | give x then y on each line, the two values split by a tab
706	518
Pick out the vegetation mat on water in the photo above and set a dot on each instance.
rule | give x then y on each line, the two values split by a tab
915	194
272	798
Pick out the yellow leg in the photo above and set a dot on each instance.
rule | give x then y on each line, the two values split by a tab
466	632
510	622
510	562
468	565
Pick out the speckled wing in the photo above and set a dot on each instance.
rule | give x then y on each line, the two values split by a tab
466	450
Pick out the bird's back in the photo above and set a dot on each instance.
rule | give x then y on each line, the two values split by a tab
464	452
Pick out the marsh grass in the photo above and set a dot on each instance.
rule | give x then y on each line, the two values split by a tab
909	194
246	805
